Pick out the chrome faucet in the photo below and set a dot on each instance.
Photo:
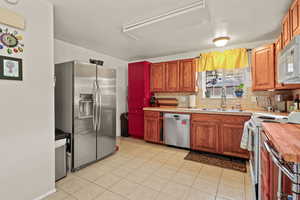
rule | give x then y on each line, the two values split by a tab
223	98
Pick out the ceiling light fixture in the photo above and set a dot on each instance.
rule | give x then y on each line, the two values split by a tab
221	41
12	1
167	15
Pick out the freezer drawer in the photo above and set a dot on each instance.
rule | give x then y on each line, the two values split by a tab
177	130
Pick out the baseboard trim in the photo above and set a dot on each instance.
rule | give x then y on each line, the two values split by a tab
45	195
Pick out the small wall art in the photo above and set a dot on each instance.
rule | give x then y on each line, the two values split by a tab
11	68
11	42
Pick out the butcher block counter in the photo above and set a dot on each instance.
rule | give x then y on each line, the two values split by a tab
286	140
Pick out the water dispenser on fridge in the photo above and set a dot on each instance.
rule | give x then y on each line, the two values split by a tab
86	103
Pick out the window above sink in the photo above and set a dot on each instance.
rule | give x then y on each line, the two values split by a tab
213	81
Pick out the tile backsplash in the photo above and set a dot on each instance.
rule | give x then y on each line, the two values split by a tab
250	101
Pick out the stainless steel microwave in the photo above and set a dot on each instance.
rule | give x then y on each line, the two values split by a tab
288	66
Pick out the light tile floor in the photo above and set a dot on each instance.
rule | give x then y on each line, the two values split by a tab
144	171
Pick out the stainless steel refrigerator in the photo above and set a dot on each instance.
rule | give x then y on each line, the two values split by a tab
85	105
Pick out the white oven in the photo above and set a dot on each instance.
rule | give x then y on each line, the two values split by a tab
254	127
253	130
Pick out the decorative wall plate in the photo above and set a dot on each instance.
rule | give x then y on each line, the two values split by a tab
10	41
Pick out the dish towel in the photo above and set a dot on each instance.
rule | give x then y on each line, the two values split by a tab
246	141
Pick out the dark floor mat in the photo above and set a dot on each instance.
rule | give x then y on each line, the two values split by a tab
228	162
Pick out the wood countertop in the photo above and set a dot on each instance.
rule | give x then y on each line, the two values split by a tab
285	139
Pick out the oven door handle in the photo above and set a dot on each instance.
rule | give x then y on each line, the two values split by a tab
276	159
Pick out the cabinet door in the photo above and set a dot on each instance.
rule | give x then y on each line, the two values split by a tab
172	76
231	135
286	182
158	77
205	136
265	175
263	68
136	124
151	129
188	75
295	18
286	34
152	126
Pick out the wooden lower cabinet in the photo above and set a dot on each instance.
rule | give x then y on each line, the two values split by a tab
205	136
286	183
218	134
269	177
153	127
265	175
231	139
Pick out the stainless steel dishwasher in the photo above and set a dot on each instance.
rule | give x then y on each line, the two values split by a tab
177	130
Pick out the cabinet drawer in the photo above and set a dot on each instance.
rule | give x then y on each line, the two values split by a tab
205	117
151	114
235	119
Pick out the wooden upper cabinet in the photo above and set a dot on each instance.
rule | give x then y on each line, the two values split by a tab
295	18
172	76
157	77
188	75
286	33
263	68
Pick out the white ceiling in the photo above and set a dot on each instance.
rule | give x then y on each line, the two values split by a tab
97	25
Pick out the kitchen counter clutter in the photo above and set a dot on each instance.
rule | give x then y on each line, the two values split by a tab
212	111
286	140
199	111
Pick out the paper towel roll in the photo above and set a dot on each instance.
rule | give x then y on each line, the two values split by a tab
192	102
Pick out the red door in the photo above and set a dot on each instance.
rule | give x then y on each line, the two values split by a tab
138	96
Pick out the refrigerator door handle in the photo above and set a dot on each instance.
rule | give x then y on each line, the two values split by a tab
95	103
100	108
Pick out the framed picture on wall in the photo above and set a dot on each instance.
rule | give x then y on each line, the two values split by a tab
11	68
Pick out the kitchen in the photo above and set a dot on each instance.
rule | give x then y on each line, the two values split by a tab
212	104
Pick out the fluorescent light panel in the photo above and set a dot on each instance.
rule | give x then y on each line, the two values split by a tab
167	15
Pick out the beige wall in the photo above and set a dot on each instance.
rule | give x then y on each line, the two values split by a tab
27	111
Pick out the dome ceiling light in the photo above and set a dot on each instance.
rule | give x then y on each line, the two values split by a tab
12	1
221	41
